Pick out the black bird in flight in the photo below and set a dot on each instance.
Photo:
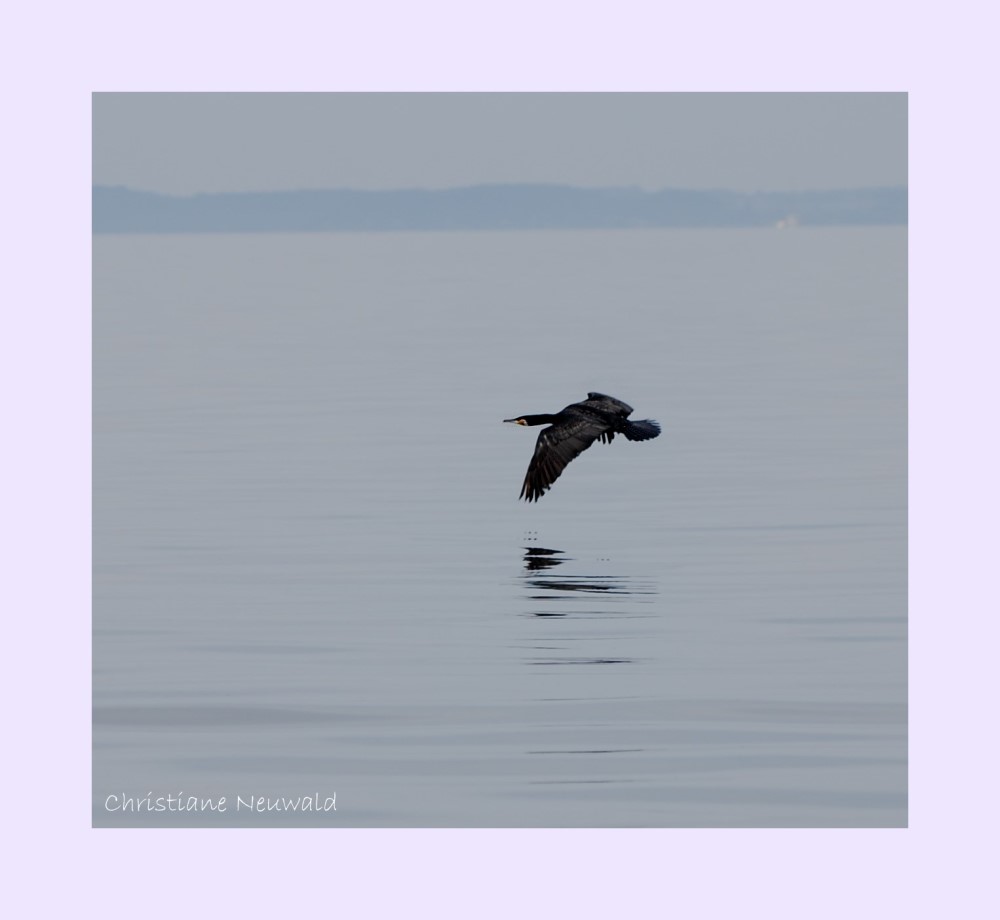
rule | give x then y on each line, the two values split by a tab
571	432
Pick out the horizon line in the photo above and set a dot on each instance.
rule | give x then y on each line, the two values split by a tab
499	185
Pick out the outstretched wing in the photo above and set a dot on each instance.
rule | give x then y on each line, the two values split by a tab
555	447
605	403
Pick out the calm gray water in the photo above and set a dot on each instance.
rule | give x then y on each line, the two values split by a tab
313	577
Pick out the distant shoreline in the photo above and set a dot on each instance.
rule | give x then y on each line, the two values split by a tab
117	209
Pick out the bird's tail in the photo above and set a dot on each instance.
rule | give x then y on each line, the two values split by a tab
641	431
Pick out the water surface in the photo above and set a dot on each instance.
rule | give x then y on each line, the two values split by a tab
313	575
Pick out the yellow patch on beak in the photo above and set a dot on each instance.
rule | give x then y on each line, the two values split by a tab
521	421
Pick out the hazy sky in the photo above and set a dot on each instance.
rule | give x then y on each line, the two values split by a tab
208	142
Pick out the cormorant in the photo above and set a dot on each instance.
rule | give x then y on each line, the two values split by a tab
571	432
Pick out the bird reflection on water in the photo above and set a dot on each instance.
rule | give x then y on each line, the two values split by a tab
580	597
538	559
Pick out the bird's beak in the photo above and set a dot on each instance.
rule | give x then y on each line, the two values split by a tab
516	421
